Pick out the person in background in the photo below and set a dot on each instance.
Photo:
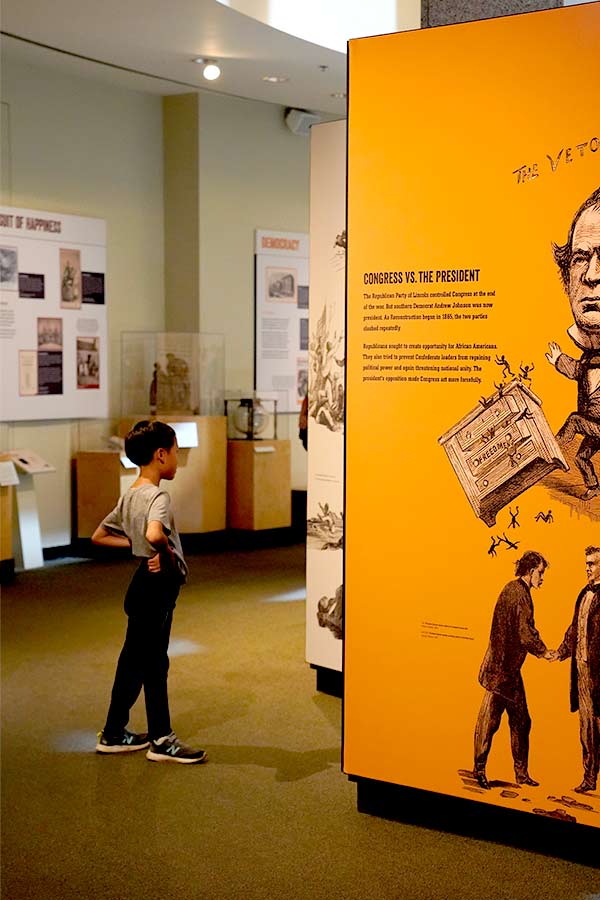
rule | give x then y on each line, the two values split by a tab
303	423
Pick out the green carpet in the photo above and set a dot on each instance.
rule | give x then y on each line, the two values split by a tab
269	816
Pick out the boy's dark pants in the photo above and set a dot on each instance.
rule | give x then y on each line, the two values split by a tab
144	662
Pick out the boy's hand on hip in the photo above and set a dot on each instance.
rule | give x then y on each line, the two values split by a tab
154	563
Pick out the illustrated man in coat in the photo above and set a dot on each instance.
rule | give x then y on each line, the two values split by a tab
581	645
579	265
512	637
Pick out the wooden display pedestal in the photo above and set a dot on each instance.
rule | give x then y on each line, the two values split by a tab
198	491
259	484
7	562
97	488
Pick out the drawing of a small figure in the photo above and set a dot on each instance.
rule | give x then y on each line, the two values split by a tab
502	361
513	457
545	517
513	635
500	389
578	261
525	414
510	545
524	372
493	545
514	522
327	377
329	612
326	516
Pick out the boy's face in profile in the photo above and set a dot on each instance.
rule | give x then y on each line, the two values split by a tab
168	461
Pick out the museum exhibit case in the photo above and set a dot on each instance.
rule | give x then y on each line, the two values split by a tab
251	417
171	373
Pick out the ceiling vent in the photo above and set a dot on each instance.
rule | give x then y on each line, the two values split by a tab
300	120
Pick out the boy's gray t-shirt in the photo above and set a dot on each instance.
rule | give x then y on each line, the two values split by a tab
137	507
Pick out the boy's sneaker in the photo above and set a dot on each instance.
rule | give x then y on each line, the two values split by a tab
171	749
126	743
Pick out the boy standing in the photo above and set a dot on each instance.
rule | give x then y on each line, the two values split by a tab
142	520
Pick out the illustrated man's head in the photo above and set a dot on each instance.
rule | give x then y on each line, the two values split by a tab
592	564
579	264
531	567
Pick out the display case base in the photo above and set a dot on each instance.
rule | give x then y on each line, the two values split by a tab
538	834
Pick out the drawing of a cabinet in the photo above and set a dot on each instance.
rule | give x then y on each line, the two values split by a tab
501	449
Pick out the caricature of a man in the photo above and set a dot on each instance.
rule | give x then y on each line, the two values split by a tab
513	635
581	645
579	263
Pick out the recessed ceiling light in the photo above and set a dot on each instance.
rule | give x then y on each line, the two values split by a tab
276	79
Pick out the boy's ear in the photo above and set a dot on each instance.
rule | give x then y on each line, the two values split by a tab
159	455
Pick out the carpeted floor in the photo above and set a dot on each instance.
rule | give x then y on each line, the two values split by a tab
269	816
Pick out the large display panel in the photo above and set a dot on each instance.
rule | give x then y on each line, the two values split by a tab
473	412
326	394
281	316
53	329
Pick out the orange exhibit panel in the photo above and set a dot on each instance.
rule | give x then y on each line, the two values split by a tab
472	555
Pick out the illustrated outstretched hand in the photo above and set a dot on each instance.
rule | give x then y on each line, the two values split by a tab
554	353
551	655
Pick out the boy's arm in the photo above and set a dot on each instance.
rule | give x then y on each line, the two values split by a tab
156	535
107	538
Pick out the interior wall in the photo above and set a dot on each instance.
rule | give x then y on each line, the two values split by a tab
78	146
254	173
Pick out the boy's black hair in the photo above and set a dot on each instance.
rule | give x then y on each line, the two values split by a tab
145	438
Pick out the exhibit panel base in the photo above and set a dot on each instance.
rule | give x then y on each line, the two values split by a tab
551	836
329	681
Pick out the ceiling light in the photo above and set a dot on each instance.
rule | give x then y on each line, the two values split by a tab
211	70
276	79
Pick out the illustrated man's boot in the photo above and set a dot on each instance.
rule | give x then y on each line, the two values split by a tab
481	779
526	779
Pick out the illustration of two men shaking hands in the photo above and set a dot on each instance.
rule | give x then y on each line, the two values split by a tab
514	635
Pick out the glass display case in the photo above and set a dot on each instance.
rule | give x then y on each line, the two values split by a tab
252	416
172	373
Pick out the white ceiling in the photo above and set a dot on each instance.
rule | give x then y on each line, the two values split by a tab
158	40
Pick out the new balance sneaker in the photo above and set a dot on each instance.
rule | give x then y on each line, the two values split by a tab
171	749
126	743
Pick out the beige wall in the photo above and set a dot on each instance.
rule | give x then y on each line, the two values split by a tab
254	173
78	146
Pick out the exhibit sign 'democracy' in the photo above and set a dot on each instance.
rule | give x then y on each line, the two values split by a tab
472	557
326	395
53	328
281	317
